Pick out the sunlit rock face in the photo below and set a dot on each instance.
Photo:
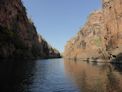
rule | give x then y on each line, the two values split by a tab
113	22
101	36
89	41
18	35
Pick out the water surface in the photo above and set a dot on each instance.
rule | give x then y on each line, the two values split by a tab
58	75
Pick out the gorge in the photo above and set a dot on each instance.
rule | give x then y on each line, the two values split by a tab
28	63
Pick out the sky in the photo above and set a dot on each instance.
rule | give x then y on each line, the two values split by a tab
59	20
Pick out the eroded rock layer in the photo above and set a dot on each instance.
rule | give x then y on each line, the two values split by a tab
101	37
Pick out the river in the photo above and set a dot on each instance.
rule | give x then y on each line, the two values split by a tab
59	75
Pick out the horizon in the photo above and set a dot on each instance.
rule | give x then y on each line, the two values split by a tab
59	21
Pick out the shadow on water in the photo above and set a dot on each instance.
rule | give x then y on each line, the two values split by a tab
15	75
95	77
56	75
117	59
34	76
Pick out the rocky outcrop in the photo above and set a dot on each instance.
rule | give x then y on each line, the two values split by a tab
101	37
18	35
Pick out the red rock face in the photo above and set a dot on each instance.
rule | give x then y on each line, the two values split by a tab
101	37
113	22
89	42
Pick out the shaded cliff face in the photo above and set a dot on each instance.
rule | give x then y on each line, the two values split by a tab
101	37
18	35
46	50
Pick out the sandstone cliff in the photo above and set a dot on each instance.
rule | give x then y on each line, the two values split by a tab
18	35
101	37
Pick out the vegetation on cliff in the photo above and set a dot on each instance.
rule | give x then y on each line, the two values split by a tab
18	36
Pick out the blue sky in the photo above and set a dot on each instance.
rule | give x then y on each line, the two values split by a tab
59	20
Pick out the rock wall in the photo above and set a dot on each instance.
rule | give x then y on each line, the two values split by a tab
112	10
18	35
101	37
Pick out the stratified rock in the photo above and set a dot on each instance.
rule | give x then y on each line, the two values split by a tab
112	10
101	37
89	42
18	35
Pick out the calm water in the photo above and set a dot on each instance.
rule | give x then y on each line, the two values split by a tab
58	75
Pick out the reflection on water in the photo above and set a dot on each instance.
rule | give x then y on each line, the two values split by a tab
35	76
95	77
57	75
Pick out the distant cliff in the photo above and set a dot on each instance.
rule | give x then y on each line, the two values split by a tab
18	35
101	37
